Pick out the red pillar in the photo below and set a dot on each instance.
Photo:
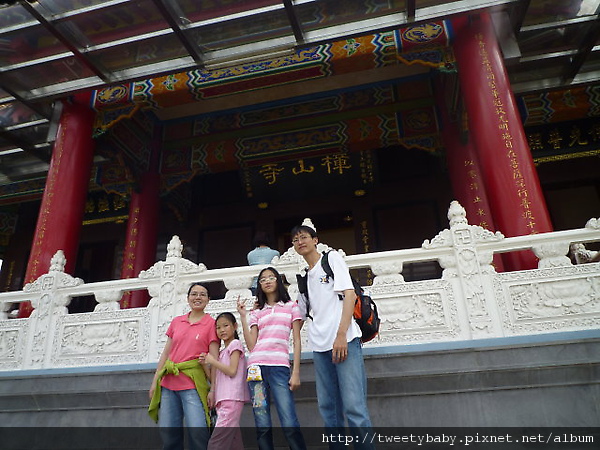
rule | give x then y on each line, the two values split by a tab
512	184
464	169
142	228
63	203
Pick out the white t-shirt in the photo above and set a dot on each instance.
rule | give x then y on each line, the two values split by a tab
325	304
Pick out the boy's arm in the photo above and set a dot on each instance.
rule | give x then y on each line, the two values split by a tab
340	344
342	278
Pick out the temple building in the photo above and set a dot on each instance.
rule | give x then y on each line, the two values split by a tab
447	149
123	123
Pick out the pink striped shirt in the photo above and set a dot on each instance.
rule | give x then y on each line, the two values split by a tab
274	327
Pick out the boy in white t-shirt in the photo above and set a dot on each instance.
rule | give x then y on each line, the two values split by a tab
335	339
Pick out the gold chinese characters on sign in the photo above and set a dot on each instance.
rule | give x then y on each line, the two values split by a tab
336	164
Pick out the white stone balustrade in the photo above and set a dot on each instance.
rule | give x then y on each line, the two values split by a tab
470	301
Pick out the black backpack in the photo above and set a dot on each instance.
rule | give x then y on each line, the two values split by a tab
365	310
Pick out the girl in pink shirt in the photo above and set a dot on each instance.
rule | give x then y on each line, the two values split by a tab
267	332
231	391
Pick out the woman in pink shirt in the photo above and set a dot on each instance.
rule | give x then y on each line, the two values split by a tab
180	388
267	333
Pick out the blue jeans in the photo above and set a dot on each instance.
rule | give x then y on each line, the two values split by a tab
342	393
275	386
177	408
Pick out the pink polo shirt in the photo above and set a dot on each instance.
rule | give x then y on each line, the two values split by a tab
189	340
274	325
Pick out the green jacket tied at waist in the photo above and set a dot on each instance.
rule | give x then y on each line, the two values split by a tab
192	369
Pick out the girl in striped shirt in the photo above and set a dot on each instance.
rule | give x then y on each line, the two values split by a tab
267	332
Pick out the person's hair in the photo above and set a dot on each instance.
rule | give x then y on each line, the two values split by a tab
198	284
261	238
303	228
282	293
229	316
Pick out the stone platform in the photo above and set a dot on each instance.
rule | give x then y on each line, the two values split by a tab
546	381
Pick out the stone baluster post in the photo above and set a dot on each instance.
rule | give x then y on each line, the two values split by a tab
167	292
49	304
469	270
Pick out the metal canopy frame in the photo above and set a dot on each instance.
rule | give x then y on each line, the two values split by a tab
192	37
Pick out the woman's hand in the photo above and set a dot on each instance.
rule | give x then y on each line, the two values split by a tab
152	389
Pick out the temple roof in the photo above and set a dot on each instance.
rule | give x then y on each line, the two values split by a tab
52	48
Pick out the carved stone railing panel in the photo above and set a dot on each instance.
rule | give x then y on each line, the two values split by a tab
105	338
422	311
13	343
549	300
470	301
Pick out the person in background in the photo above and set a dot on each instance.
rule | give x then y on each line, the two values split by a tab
262	254
180	392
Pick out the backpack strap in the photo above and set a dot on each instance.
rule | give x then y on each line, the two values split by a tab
329	271
302	283
325	265
303	289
